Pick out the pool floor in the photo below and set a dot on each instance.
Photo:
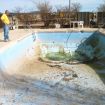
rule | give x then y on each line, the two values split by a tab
41	83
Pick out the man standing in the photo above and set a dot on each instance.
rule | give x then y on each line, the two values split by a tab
6	22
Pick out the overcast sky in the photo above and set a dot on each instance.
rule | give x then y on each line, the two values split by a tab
87	5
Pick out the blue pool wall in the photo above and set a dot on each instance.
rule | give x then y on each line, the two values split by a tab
52	42
14	55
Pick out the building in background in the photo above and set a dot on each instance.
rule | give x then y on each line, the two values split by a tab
35	20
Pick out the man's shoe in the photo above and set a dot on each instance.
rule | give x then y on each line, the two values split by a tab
5	41
8	40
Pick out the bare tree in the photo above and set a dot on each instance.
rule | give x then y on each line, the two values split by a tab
44	7
17	10
101	7
45	10
66	14
24	18
75	7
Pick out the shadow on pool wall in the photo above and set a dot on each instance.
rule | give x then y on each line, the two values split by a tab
93	50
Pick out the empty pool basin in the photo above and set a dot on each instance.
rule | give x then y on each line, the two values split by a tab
87	43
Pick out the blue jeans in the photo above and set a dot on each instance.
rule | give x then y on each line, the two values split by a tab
6	32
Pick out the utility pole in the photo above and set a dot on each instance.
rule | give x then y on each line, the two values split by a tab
69	11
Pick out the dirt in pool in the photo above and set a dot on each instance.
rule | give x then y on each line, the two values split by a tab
51	83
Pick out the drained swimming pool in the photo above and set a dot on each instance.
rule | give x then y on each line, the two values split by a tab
44	83
85	44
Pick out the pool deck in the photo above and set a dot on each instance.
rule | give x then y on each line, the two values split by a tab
19	34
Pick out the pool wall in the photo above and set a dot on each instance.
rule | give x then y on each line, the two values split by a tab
94	46
14	55
55	42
